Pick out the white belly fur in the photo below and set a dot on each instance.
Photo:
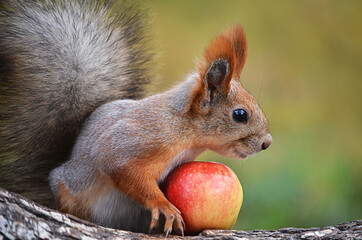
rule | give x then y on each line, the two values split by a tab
116	210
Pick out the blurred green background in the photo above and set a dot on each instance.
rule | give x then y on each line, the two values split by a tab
304	67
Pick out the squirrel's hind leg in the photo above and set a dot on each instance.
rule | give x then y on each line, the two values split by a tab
100	202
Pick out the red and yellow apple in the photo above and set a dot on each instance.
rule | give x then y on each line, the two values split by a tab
208	194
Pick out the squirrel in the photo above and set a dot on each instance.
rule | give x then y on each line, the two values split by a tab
72	79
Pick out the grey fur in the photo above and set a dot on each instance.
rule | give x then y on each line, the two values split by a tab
59	61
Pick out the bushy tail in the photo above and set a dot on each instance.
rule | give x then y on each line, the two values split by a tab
59	61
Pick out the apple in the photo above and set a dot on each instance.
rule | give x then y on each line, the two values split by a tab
208	194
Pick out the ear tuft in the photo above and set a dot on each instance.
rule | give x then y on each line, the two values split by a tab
237	37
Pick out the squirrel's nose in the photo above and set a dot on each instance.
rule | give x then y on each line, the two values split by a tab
267	142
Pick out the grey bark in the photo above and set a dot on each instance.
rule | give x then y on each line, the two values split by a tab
21	218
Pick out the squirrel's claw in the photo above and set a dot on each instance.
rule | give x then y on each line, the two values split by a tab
173	220
183	224
167	232
179	226
179	231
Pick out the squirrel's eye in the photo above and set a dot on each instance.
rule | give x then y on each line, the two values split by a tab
240	115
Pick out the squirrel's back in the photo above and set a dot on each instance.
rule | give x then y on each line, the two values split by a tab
59	61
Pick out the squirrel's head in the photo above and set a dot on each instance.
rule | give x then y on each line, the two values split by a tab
226	114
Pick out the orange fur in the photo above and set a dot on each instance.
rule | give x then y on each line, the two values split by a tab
81	204
237	37
196	95
143	174
69	203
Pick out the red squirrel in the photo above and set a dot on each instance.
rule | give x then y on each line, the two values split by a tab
125	148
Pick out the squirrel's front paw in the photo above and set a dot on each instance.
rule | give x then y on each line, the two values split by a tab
173	220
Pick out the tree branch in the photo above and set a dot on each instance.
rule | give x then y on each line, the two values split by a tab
21	218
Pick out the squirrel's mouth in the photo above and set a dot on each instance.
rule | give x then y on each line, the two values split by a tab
241	154
233	149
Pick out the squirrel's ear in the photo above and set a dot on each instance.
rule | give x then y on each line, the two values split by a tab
217	69
217	73
224	59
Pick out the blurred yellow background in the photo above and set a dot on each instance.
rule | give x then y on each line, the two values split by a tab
305	68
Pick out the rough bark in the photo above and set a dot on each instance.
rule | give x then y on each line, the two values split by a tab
21	218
